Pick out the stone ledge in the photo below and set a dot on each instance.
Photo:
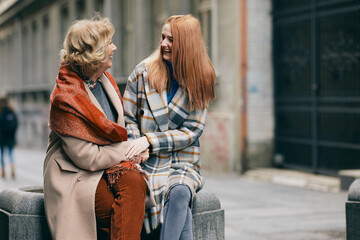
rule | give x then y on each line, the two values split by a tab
347	177
22	201
22	215
205	201
354	191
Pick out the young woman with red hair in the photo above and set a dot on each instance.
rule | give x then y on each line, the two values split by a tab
165	102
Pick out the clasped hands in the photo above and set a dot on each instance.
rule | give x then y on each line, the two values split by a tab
137	150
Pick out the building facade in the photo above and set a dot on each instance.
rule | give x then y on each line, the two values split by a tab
239	131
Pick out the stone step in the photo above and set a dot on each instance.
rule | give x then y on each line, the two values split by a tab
295	178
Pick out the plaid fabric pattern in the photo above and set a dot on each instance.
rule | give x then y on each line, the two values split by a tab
173	133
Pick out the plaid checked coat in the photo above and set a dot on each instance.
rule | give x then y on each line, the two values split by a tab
173	133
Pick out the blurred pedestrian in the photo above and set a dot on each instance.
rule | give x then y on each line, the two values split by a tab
166	101
92	191
8	127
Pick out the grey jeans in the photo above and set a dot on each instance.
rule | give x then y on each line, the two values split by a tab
177	215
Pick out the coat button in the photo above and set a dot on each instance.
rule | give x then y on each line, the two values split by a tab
79	178
142	112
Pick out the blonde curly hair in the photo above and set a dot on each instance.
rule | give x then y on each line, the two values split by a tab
85	47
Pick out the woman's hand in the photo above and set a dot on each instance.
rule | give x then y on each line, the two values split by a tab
136	147
142	157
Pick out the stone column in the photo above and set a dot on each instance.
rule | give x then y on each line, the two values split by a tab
353	212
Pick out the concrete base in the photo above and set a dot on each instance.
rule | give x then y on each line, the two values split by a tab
353	220
208	217
22	215
353	212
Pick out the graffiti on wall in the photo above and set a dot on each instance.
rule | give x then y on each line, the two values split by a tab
216	143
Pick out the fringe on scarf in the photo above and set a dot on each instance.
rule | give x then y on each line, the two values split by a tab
113	173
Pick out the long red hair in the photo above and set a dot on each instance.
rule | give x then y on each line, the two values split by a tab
191	64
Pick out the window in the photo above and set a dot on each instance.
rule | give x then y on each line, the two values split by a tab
34	52
126	38
26	53
64	21
80	9
45	56
2	60
11	60
99	6
204	13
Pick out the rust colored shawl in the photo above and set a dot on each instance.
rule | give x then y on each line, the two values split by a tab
73	114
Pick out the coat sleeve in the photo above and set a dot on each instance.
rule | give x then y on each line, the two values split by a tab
170	140
131	106
93	157
182	137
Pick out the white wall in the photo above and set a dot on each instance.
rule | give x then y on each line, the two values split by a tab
220	146
260	83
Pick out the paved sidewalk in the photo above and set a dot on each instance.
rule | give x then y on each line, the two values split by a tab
295	179
258	210
29	164
257	207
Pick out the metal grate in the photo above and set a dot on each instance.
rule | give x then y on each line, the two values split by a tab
317	84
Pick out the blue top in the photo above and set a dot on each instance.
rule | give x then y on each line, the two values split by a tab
174	83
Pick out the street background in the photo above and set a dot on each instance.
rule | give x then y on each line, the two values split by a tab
287	95
255	207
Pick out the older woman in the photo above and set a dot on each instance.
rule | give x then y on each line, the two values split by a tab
165	101
88	135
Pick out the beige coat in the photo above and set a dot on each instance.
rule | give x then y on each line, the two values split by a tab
72	170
